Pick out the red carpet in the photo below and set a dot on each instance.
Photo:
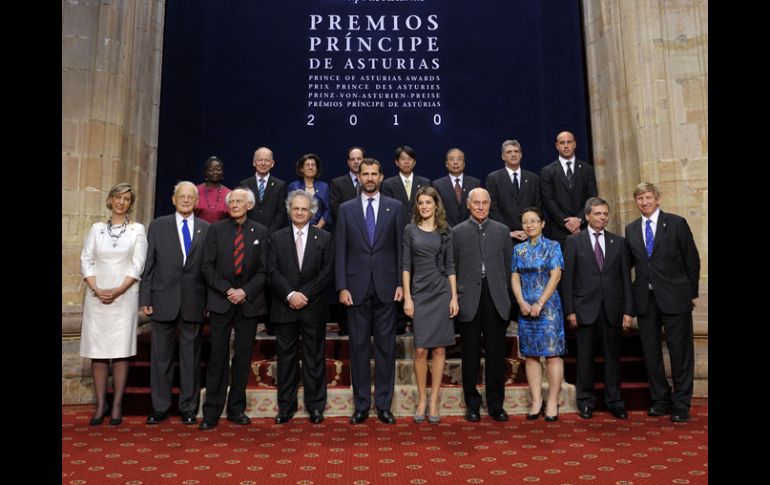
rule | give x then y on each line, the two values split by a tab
641	450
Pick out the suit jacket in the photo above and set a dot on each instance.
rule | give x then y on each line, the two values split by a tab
219	270
393	187
506	207
286	276
559	201
497	248
271	212
584	286
673	269
455	212
321	195
356	263
342	190
166	283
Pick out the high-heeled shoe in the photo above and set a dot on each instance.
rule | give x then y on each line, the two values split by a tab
116	421
100	420
531	417
551	419
419	417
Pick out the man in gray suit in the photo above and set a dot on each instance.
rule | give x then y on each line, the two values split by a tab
173	294
482	254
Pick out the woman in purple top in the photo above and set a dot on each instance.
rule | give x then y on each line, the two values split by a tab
211	194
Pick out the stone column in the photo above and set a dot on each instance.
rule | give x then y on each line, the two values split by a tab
647	65
111	68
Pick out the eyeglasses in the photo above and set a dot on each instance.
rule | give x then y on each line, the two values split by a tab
531	222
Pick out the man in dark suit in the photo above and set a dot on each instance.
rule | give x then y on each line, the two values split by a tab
368	268
234	270
343	189
482	254
667	267
299	266
403	187
512	189
565	185
454	188
268	210
598	304
173	294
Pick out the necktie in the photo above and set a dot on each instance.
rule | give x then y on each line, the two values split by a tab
516	184
300	252
408	188
458	190
238	246
261	189
569	170
598	251
355	183
649	239
186	238
370	224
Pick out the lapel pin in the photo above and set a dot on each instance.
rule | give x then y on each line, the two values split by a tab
256	241
387	209
664	224
315	237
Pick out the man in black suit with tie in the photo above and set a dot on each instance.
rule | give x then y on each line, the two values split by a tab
343	189
368	268
512	189
173	294
268	210
598	304
403	188
667	267
299	266
234	270
453	188
565	185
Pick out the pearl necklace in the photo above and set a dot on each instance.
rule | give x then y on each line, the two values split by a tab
114	236
206	195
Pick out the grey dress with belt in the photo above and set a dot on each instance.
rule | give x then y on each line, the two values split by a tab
428	258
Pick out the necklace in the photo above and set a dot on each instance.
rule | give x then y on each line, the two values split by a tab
114	236
206	195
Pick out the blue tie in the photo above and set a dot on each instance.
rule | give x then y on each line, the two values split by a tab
261	189
649	238
370	224
186	237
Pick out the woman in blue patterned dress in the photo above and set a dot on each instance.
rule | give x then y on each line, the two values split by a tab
536	268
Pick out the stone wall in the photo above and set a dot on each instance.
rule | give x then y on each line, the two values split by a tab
111	67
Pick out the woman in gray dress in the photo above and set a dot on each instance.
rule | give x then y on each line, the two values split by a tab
430	293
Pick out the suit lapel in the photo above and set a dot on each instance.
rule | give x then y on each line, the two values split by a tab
562	175
383	213
310	243
611	248
174	235
635	237
358	216
197	238
660	232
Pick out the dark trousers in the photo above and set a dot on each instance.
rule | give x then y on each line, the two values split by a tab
679	339
372	318
587	336
220	370
163	345
488	322
313	335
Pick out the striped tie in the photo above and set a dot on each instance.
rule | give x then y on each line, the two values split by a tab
261	189
238	246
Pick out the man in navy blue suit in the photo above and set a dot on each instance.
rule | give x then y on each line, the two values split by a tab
367	269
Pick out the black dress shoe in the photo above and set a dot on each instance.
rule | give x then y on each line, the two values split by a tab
359	417
472	415
680	415
156	418
532	417
189	418
659	409
619	413
207	425
499	414
316	416
585	412
239	419
386	416
283	417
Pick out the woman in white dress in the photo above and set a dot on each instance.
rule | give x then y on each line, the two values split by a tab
111	262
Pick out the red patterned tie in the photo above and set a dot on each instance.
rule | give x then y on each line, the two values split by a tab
458	190
238	250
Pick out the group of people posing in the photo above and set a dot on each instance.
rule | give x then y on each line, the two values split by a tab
523	247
